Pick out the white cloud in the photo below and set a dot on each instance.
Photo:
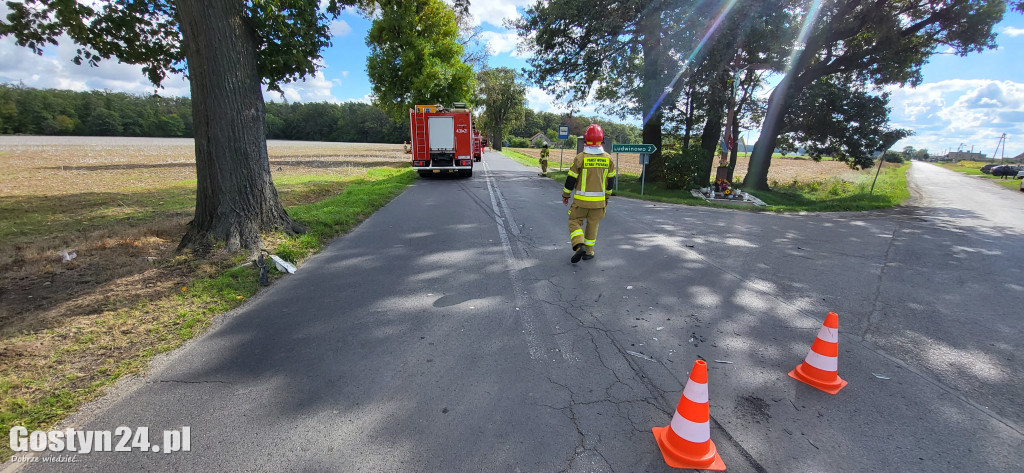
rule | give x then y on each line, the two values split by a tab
498	43
367	99
340	28
496	12
1013	31
55	70
949	113
541	101
314	88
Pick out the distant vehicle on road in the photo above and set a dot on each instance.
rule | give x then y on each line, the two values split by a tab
1006	170
987	169
1020	174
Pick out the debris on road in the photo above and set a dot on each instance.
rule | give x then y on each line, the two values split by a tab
639	355
282	265
879	376
723	361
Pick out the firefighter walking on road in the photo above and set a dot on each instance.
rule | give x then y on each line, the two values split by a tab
544	153
591	179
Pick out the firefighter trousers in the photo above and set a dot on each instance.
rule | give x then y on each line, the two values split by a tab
585	233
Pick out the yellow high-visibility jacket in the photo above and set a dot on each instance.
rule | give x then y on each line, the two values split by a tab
592	177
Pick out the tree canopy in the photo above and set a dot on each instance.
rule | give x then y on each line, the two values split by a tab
840	117
503	97
415	56
290	34
880	42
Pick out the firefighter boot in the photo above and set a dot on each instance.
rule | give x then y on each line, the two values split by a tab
579	254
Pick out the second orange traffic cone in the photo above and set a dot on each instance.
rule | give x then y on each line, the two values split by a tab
686	442
821	367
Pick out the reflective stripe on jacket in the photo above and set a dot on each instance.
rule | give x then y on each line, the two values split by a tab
592	177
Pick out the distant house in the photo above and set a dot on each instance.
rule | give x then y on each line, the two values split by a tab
539	140
965	156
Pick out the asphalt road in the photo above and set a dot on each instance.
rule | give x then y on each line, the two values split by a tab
450	333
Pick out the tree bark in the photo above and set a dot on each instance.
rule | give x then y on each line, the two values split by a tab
653	85
496	144
235	197
688	123
778	105
712	132
736	107
734	152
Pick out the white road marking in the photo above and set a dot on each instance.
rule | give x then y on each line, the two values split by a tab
514	265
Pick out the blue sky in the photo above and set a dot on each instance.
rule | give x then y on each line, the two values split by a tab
964	102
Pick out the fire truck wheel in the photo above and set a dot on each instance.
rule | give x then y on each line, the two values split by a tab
468	173
424	173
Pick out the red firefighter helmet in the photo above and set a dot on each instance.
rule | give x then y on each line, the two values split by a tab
594	135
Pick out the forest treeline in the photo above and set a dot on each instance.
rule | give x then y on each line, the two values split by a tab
29	111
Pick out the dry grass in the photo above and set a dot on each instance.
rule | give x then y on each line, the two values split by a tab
121	204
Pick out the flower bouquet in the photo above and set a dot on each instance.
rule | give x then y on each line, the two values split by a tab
723	186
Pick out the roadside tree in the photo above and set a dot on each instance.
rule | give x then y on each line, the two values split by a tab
228	48
415	56
840	117
503	96
881	42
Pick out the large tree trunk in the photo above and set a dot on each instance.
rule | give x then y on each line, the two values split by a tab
653	88
496	138
760	158
688	122
712	132
734	152
235	198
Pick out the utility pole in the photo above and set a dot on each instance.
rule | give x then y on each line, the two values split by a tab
1002	142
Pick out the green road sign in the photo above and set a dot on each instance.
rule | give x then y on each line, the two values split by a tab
621	148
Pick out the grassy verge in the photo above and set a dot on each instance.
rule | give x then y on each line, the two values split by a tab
522	158
836	195
534	162
832	195
973	168
49	372
331	217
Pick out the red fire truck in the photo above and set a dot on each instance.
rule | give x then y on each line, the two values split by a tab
478	145
442	139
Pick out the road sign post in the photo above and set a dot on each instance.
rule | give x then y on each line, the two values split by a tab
616	170
645	151
563	134
645	159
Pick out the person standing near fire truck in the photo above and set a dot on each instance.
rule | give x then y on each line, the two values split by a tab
590	182
544	153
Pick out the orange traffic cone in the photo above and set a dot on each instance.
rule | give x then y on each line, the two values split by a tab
820	368
686	442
